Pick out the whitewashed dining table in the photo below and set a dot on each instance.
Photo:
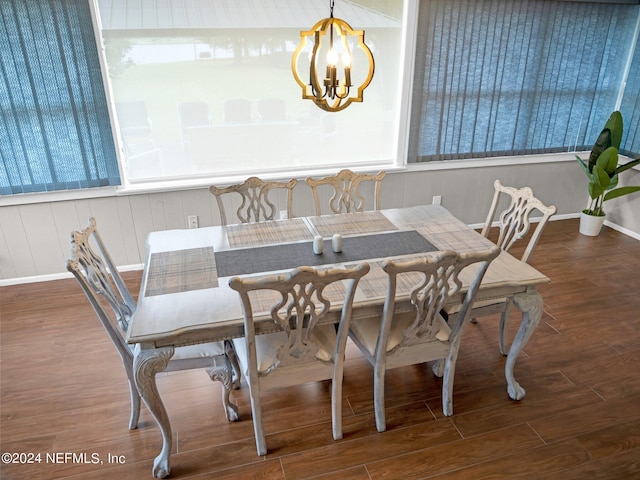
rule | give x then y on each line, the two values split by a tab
185	299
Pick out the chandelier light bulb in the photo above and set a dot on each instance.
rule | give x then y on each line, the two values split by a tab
346	59
332	57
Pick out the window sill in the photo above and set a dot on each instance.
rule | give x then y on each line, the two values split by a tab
46	197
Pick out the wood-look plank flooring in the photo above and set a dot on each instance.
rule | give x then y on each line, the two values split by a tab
64	391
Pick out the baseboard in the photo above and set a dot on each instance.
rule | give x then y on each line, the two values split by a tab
57	276
626	231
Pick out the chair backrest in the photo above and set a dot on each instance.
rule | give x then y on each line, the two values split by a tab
272	110
92	266
237	110
194	114
301	301
514	221
133	118
431	282
346	194
255	206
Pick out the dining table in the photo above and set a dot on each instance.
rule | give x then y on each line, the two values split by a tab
185	298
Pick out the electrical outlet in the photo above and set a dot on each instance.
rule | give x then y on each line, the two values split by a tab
283	215
192	221
437	200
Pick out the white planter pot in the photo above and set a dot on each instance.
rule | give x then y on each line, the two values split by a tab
590	225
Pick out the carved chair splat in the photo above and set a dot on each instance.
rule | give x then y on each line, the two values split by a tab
420	334
515	220
346	194
514	223
114	305
306	347
255	206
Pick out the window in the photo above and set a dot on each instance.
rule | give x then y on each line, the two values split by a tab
521	77
205	89
55	132
630	106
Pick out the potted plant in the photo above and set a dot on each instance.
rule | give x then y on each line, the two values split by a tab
602	171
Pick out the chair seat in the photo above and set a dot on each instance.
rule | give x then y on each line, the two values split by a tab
267	347
481	304
368	329
202	350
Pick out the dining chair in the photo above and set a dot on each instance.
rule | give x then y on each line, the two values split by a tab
416	332
346	191
114	305
133	118
193	114
307	346
271	110
514	223
255	206
237	110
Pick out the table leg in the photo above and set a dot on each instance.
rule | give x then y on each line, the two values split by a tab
146	363
530	304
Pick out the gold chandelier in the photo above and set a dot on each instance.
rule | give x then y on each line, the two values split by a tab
332	91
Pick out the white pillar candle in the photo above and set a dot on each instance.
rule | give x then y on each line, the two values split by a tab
317	244
336	242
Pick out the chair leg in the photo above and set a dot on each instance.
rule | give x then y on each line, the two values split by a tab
256	413
235	364
504	329
336	408
378	396
438	368
448	377
223	374
135	405
133	392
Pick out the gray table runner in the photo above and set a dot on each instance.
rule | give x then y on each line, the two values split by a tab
286	256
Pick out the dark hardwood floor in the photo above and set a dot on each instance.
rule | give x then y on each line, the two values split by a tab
64	391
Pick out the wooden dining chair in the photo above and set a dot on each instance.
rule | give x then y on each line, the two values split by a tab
307	346
255	205
514	223
347	196
101	282
418	333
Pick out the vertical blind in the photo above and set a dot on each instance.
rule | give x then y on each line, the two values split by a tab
520	77
55	132
630	107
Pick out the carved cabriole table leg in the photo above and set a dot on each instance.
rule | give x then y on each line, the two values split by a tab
530	304
146	363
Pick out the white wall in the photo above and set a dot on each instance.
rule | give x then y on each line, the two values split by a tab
34	238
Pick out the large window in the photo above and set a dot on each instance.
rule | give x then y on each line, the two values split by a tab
198	90
205	89
522	76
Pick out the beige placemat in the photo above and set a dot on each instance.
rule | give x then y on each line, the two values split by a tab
266	233
181	271
452	234
352	223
